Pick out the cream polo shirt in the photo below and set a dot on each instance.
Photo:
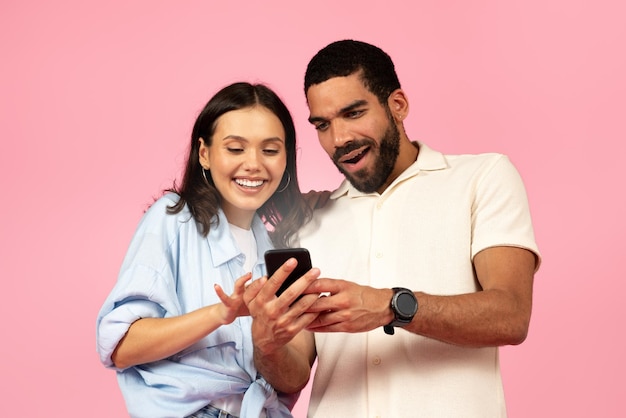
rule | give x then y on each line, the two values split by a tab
421	233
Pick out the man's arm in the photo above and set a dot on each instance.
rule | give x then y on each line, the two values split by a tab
499	314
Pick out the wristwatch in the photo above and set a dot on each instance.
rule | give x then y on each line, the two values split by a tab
404	307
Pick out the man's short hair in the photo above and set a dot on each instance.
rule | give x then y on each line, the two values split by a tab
346	57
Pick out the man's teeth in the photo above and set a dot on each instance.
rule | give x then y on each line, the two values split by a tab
355	158
249	183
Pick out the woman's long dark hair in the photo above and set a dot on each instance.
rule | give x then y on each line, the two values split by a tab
285	211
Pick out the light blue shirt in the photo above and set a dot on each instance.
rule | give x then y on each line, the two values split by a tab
169	270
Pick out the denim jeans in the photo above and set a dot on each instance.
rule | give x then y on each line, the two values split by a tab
210	411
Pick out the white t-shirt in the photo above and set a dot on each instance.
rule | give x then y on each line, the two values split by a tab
247	244
421	233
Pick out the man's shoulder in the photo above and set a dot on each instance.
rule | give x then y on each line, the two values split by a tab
430	159
476	164
476	159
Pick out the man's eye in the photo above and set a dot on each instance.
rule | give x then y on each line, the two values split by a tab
322	126
354	114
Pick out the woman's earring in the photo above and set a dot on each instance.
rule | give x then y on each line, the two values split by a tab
204	175
285	186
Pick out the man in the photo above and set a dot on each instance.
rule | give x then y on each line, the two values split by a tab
434	257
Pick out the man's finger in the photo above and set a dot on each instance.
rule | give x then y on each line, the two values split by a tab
325	285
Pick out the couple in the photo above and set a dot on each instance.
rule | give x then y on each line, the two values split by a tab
440	245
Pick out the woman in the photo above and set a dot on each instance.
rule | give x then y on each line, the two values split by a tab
181	346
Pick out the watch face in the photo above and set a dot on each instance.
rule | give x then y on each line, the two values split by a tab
406	304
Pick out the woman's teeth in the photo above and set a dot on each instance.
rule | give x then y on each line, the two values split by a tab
249	183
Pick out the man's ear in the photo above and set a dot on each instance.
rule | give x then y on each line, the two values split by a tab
203	154
398	105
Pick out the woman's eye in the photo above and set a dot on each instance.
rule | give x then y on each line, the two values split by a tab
271	151
235	150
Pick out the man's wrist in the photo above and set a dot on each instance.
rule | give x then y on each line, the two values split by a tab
404	306
389	316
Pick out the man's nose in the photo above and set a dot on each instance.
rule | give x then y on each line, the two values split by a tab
340	133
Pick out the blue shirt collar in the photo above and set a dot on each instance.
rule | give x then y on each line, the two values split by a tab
223	243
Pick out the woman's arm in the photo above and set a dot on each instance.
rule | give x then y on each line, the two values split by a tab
288	367
152	339
284	351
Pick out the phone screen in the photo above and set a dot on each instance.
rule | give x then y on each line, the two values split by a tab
276	258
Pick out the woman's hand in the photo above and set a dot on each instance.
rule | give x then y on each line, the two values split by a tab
233	306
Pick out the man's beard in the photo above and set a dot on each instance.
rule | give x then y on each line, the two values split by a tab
367	181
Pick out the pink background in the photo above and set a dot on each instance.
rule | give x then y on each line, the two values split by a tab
97	100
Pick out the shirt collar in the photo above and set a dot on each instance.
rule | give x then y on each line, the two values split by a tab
427	160
223	245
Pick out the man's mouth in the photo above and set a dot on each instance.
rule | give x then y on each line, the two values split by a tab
353	157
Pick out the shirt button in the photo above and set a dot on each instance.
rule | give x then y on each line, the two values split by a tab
379	205
379	254
376	361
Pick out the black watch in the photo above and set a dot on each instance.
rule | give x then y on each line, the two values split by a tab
404	307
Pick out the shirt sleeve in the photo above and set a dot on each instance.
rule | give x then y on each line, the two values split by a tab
501	214
113	326
138	294
146	286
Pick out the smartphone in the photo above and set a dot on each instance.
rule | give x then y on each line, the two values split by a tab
276	258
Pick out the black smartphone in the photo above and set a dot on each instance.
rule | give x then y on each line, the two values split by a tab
276	258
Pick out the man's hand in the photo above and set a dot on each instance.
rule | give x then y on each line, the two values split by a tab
316	199
349	307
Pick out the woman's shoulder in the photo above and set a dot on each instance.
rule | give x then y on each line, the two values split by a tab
160	213
167	200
